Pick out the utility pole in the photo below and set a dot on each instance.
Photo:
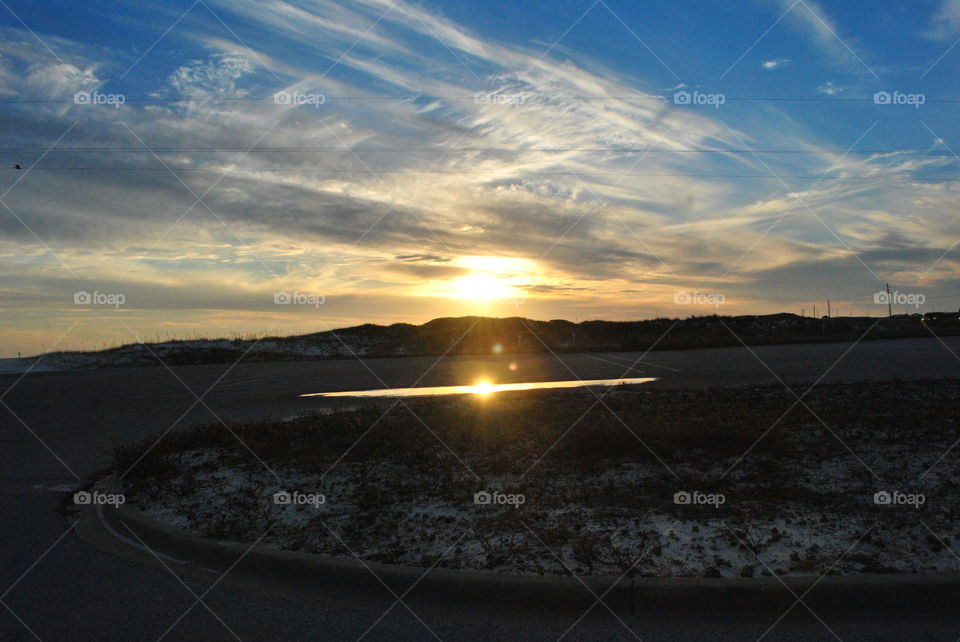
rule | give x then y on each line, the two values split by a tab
889	302
814	312
828	308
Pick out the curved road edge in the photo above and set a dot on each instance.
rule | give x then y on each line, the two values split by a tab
129	533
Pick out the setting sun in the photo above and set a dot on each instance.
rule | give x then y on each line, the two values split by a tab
480	287
487	279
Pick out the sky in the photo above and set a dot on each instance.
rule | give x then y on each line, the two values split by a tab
240	168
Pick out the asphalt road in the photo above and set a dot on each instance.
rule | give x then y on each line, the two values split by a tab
59	428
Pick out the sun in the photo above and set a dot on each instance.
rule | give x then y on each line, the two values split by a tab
480	287
484	281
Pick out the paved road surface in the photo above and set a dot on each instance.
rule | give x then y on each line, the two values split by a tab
61	427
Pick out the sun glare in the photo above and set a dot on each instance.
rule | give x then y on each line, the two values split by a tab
482	388
480	287
485	280
489	279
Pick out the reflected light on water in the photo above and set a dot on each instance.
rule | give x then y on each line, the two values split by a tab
482	388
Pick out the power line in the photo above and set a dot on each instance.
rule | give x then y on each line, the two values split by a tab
442	150
471	97
428	171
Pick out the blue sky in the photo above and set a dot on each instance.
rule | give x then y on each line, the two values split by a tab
468	158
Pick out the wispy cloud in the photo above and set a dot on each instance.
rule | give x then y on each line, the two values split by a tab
774	63
945	23
842	48
829	89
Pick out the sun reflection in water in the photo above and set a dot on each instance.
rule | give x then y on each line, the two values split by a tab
482	388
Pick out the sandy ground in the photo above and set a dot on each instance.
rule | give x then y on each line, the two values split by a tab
869	495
